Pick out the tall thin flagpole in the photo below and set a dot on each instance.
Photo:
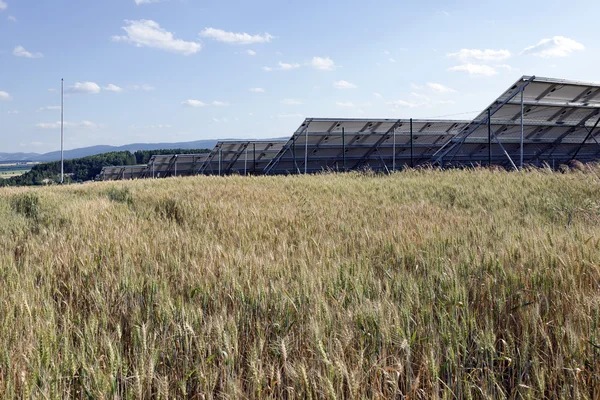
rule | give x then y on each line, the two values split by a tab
62	123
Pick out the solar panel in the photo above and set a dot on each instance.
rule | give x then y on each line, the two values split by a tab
161	166
559	120
244	157
350	144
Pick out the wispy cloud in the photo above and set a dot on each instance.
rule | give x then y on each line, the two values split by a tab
193	103
235	38
20	51
13	112
113	88
56	125
474	69
439	88
12	18
291	102
558	46
3	5
345	104
141	88
84	87
220	103
281	66
139	2
49	108
323	63
344	85
147	33
250	52
257	90
487	55
290	116
5	96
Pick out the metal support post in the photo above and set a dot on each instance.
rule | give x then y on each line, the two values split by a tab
344	147
306	152
489	126
412	160
246	162
522	116
394	150
254	159
220	159
586	139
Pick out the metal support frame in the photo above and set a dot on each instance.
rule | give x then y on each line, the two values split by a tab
394	152
522	116
412	145
375	146
344	147
438	157
489	127
586	139
382	161
246	162
254	158
220	159
306	151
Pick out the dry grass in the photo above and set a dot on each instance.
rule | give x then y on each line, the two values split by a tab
456	284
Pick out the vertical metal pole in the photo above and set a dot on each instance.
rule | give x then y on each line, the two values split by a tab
412	162
522	108
62	123
344	146
489	125
175	166
246	162
153	169
254	158
306	151
394	151
294	155
220	158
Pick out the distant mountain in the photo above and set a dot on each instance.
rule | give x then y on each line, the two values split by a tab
93	150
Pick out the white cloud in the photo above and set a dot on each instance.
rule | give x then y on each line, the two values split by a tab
139	2
290	116
282	67
193	103
378	95
250	52
12	18
84	87
20	51
13	112
49	108
141	88
3	5
5	96
474	69
487	55
220	103
56	125
558	46
234	38
291	102
406	104
344	85
113	88
420	96
147	33
439	88
323	63
257	90
345	104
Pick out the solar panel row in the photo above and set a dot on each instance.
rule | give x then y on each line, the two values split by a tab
536	121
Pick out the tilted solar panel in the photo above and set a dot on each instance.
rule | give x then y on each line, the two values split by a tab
559	120
351	144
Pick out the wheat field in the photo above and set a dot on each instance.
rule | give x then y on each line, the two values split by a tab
421	284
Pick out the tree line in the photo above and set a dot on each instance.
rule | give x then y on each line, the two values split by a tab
87	168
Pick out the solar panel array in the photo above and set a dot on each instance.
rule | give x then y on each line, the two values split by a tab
536	121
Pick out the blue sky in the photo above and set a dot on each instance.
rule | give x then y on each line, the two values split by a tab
182	70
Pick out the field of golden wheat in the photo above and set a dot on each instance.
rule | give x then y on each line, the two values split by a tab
425	284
